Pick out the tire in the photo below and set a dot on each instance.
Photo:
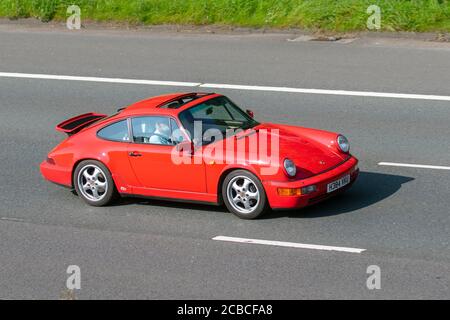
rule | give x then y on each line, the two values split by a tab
93	183
244	195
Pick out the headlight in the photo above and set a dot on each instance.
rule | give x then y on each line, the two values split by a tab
343	143
289	167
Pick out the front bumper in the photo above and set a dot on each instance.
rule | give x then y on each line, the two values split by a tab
321	180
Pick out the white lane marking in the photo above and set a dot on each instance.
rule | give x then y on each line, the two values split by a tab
227	86
288	244
409	165
329	92
12	219
97	79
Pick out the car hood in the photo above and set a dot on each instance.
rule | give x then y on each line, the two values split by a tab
310	155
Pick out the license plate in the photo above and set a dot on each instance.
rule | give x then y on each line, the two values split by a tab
332	186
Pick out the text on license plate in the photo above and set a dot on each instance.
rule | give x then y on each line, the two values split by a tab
332	186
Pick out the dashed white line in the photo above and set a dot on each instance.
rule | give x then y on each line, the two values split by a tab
12	219
288	244
409	165
227	86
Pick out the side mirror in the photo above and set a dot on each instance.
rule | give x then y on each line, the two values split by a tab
250	113
186	146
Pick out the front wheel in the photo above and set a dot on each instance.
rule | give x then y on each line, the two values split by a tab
93	183
244	194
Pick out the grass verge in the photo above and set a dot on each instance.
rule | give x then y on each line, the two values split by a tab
326	15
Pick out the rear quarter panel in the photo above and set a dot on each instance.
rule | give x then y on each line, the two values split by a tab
86	145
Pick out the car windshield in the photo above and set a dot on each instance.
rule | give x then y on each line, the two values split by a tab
219	113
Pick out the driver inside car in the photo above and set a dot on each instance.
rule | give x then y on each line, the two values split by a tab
161	135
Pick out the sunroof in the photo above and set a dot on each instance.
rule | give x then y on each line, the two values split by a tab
179	102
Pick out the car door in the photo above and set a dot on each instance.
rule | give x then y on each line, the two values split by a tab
150	155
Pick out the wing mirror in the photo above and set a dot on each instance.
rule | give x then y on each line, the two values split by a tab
250	113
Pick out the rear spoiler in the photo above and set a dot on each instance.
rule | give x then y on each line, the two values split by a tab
75	124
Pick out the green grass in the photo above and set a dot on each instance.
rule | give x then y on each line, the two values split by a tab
327	15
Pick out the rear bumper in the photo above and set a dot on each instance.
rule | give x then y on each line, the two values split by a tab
56	174
320	181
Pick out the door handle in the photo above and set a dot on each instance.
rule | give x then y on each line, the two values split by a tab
134	154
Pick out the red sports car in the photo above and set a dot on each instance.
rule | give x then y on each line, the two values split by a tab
199	147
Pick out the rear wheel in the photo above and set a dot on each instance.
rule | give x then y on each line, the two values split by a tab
93	183
244	194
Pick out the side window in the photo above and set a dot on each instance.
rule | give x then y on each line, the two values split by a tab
152	130
117	132
177	134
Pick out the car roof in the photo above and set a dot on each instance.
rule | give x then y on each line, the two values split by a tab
157	105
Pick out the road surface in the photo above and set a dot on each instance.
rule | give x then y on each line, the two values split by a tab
139	249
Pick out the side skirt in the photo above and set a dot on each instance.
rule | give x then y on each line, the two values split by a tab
168	199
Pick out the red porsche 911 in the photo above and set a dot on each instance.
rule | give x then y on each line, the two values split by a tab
199	147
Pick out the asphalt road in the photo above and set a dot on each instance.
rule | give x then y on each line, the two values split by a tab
154	249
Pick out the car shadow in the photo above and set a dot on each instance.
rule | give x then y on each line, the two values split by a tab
368	189
168	204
